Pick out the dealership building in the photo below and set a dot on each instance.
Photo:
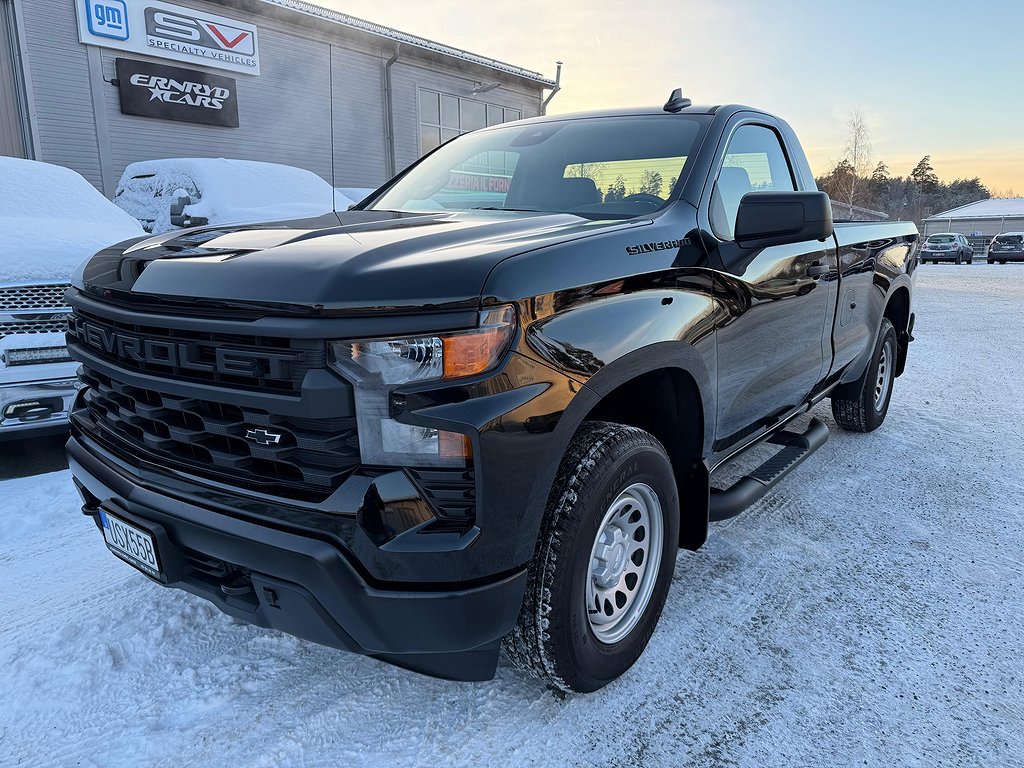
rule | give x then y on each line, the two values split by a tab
97	84
983	219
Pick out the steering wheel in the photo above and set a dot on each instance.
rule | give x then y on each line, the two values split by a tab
642	197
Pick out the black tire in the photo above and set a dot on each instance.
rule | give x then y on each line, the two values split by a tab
867	411
554	638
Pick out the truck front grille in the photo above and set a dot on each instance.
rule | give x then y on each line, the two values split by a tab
20	298
55	324
277	364
297	458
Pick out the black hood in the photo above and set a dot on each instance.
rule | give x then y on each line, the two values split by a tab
359	261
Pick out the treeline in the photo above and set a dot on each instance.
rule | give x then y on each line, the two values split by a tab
914	197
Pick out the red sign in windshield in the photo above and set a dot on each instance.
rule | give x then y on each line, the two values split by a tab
478	182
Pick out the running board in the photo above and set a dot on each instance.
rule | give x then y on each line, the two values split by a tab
748	489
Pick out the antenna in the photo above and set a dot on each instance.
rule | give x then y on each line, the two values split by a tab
676	102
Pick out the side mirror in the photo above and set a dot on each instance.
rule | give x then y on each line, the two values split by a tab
779	218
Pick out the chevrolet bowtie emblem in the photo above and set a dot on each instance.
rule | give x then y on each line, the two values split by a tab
263	437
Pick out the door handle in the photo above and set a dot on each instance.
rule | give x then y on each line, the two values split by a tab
817	270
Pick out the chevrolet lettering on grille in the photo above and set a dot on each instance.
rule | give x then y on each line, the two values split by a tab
185	355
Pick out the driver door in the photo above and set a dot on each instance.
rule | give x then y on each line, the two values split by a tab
772	344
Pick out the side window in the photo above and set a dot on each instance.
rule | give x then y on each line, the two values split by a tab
754	162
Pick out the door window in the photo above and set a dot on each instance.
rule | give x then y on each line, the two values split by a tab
754	162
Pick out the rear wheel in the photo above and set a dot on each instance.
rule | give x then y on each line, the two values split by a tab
867	411
604	562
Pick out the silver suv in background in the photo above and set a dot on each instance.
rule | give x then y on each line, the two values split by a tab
51	221
1008	246
947	246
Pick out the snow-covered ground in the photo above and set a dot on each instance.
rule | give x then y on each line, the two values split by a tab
868	612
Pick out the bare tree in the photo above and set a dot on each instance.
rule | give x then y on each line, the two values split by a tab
857	154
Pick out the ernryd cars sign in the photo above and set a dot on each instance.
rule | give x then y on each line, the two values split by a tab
175	93
170	32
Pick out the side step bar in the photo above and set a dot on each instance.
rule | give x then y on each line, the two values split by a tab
748	489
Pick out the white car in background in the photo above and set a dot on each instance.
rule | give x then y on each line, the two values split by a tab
51	221
187	192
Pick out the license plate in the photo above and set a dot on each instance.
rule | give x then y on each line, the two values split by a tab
131	544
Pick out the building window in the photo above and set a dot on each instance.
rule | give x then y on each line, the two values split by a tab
443	117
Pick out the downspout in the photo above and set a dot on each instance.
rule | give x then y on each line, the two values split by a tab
389	114
554	90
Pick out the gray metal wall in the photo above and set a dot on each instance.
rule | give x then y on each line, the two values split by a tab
318	103
284	114
59	67
12	137
408	76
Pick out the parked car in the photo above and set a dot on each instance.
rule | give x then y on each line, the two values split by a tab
439	427
947	246
51	221
180	193
1008	246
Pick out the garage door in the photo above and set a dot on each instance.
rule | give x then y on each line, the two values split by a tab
12	138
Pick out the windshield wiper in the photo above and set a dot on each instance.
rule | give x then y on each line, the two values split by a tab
495	208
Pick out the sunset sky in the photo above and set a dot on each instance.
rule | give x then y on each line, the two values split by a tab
932	77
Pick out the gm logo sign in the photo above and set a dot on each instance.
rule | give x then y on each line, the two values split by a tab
108	18
168	30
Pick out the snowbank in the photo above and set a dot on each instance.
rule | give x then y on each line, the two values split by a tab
223	191
51	220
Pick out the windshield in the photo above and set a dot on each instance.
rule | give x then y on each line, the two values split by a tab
942	239
613	167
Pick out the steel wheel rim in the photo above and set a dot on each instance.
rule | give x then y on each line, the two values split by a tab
624	563
883	381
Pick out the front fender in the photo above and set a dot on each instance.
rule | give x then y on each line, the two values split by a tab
605	341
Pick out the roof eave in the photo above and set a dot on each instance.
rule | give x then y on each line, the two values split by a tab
429	48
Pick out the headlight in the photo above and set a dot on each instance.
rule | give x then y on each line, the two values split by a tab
375	366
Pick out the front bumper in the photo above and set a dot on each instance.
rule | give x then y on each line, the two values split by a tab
279	578
943	256
56	396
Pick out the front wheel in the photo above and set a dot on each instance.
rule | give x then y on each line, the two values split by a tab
866	412
604	560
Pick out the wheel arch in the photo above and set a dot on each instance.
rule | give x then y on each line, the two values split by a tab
666	390
897	310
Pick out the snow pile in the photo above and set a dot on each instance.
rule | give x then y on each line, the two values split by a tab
51	220
866	612
223	191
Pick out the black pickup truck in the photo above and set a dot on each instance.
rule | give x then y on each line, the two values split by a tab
484	407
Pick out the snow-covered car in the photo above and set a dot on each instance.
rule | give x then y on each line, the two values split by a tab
187	192
51	221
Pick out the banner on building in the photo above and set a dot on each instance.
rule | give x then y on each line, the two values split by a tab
176	93
170	32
